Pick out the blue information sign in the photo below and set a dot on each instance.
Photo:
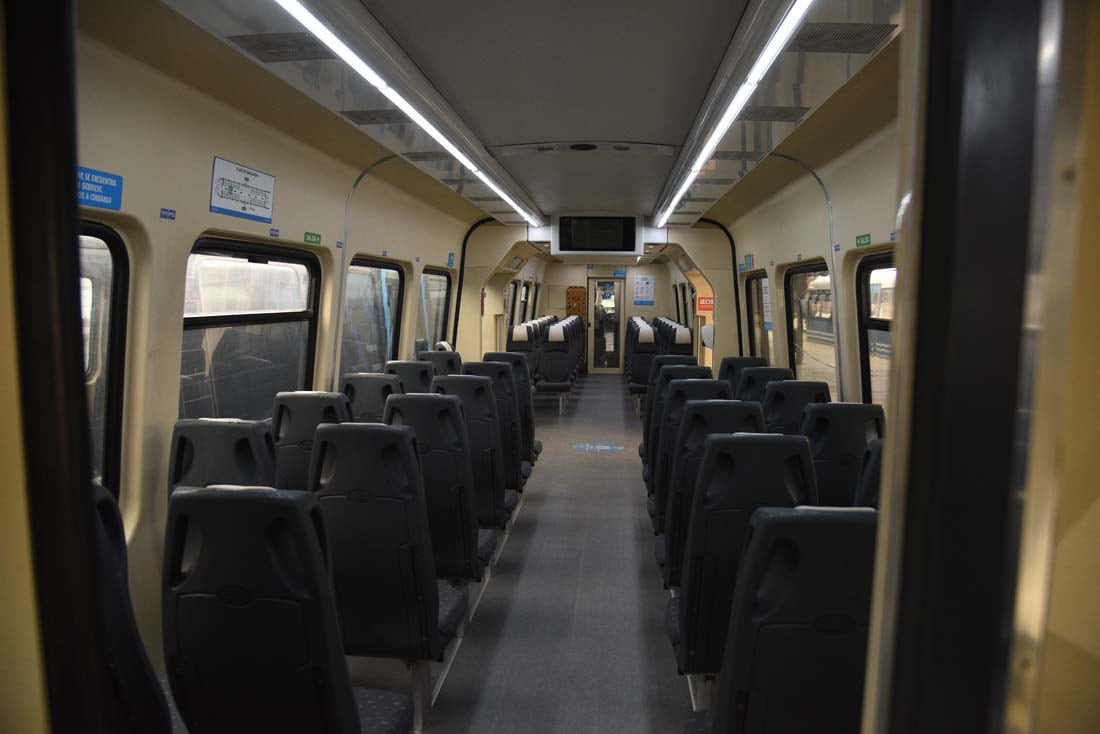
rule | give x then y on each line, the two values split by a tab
98	188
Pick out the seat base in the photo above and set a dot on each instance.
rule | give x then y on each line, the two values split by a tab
672	621
486	544
660	550
453	603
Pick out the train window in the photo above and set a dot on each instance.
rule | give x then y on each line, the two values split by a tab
104	282
759	311
524	293
435	301
810	334
249	328
372	316
676	301
511	293
875	278
535	302
684	303
689	304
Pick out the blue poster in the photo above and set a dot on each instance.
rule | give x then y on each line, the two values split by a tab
98	188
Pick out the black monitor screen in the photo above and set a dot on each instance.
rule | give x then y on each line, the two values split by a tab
596	234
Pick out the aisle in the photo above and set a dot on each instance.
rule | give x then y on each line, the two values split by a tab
570	635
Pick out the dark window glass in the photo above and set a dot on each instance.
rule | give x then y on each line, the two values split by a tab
435	301
372	316
761	328
875	279
810	324
249	328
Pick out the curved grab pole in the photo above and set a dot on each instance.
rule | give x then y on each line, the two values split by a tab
736	286
342	292
832	265
462	276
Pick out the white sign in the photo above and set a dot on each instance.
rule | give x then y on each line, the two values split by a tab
643	290
240	191
766	295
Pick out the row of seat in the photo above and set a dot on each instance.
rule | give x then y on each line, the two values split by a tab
714	456
645	342
561	359
527	338
406	508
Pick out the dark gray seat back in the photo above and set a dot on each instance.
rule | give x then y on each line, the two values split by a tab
731	367
668	430
803	594
785	400
870	475
368	392
659	361
479	406
209	451
641	359
416	376
839	433
444	363
445	469
754	380
524	401
366	477
660	394
558	360
297	415
251	638
740	473
504	390
138	705
701	418
680	341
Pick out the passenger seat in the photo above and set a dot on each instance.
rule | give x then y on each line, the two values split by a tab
297	415
445	363
731	367
416	376
368	392
518	360
839	434
366	477
251	637
754	381
870	475
461	549
209	451
796	648
660	394
740	473
661	360
785	400
516	468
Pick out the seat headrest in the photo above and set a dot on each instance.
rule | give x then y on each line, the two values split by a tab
444	347
683	335
557	333
519	333
645	335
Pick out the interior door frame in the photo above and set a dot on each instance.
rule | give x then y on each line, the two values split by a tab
590	331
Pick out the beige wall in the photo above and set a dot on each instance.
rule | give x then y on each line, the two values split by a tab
161	137
791	228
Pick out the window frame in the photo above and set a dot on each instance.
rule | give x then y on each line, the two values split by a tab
750	313
875	261
676	300
429	270
111	470
535	301
525	298
683	300
514	285
262	253
814	266
365	261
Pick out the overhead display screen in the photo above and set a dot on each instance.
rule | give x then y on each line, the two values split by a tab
596	234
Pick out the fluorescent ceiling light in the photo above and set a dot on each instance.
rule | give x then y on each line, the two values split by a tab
322	33
774	47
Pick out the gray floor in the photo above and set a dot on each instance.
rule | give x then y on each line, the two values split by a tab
570	634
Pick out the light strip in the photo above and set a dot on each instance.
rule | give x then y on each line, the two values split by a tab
774	47
322	33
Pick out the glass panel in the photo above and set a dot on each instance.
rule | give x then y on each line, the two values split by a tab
524	293
235	371
96	279
606	321
880	293
760	313
370	318
810	302
221	284
433	311
878	358
509	296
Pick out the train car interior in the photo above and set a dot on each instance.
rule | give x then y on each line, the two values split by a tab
717	366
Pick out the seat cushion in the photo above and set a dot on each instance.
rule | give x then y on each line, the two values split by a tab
536	447
383	712
699	722
651	506
486	544
660	550
525	469
636	388
453	601
672	621
641	451
511	499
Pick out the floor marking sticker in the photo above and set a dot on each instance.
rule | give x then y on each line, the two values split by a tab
597	447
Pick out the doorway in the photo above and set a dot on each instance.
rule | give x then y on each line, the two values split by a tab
605	311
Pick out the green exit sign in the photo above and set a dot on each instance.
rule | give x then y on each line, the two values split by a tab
862	240
312	238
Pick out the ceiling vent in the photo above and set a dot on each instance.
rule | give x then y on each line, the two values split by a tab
583	146
715	181
272	47
841	38
428	156
766	113
735	155
376	117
